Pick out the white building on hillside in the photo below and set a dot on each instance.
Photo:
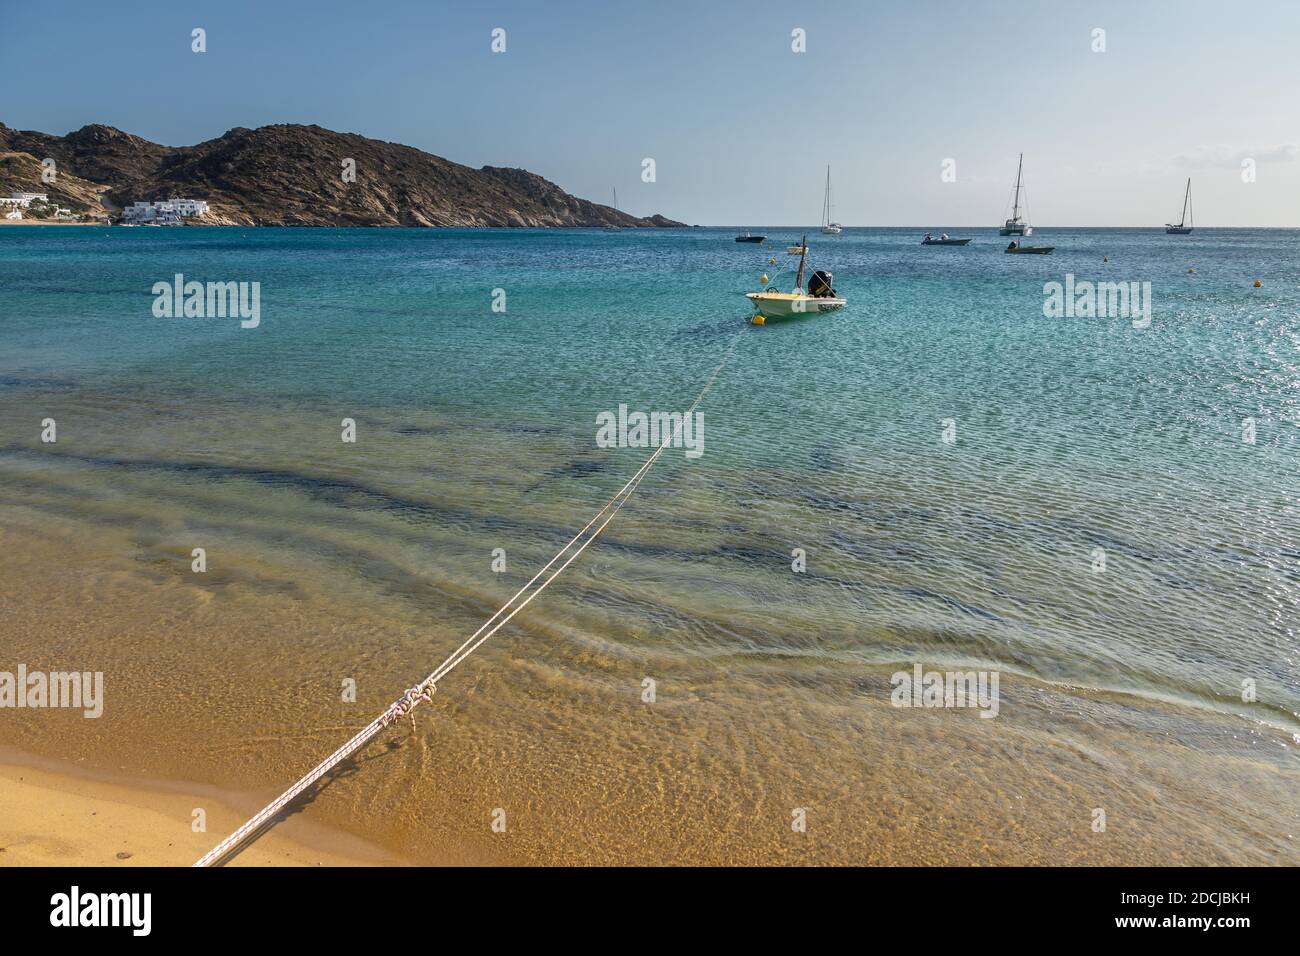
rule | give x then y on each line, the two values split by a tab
23	200
190	207
167	213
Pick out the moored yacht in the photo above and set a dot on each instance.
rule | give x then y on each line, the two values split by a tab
828	227
1015	226
1184	225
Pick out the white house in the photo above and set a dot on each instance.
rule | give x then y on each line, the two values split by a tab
167	213
190	207
24	200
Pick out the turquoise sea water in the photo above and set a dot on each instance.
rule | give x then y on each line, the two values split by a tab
477	430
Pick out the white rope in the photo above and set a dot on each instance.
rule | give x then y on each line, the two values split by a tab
411	697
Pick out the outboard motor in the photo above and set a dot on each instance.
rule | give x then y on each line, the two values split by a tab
819	285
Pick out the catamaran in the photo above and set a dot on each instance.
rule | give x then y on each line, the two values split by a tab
1184	226
1015	226
820	296
828	227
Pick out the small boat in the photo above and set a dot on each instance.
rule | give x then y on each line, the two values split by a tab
944	240
748	238
819	297
828	227
1017	249
1015	226
1184	226
796	250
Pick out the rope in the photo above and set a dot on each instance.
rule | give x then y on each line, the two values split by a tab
405	704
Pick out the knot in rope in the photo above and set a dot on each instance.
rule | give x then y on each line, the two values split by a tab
403	706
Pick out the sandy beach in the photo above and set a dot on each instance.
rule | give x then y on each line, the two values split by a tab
48	222
56	815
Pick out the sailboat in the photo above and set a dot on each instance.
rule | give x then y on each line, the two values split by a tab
1184	226
1015	226
820	297
614	227
828	227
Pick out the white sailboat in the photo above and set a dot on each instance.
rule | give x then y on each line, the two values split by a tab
1015	226
828	227
1184	225
615	227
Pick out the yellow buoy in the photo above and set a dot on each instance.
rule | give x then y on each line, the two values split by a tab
763	278
758	320
1258	283
1191	270
772	261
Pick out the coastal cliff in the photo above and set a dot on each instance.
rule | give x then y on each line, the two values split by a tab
291	175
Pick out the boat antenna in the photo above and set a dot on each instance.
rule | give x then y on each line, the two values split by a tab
803	251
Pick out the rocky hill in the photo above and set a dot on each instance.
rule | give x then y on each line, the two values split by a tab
21	172
289	175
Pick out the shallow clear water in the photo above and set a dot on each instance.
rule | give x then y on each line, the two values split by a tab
476	430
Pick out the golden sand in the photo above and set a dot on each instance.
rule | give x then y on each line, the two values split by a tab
49	222
62	818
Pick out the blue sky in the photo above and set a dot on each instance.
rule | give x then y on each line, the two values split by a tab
740	127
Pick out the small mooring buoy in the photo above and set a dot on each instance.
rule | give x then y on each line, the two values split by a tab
1190	271
1105	258
758	320
1258	284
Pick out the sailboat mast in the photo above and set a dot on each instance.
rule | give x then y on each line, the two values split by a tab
826	203
1015	211
1186	196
